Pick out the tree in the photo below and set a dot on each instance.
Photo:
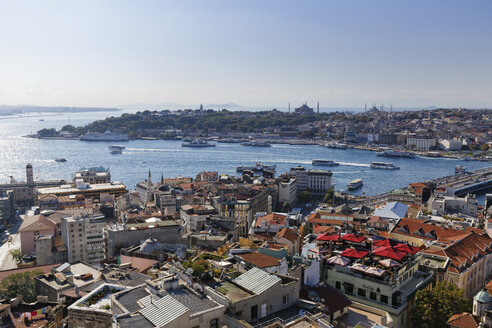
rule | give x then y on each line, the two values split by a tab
16	254
433	307
305	196
485	147
329	196
20	284
47	133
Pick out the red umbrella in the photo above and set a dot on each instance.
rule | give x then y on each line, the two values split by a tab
406	248
352	252
384	243
328	237
389	253
353	238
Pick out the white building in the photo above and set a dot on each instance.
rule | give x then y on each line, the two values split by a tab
421	143
451	144
454	205
84	238
287	191
316	181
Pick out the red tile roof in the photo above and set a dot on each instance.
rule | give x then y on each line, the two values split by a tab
288	234
465	252
418	229
272	218
260	260
462	320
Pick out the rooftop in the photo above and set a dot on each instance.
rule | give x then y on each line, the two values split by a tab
257	280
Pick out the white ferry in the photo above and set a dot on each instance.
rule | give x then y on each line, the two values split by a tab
323	162
354	184
256	144
384	166
258	168
106	136
115	149
394	153
197	143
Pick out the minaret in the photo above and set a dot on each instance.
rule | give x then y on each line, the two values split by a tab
365	107
289	107
29	175
317	107
150	188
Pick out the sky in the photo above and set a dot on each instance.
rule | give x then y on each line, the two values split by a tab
255	53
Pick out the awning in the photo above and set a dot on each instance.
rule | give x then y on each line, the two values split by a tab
352	252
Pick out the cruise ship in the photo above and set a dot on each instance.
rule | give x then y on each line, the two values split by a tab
197	143
394	153
354	184
106	136
258	168
323	162
384	166
114	149
256	144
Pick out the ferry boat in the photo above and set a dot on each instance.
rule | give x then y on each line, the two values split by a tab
114	149
394	153
384	166
257	168
337	145
323	162
256	144
355	184
106	136
60	160
197	143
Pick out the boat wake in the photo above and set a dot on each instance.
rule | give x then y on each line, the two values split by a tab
354	164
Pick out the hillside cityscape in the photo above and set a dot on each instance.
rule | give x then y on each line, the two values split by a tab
245	164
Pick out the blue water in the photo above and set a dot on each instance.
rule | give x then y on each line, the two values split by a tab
167	157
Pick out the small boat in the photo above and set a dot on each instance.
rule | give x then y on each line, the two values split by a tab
197	143
60	160
115	149
257	168
395	153
256	144
41	120
323	162
355	184
336	145
384	166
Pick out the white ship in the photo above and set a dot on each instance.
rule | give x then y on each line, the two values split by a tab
258	168
394	153
106	136
384	166
256	144
114	149
323	162
354	184
197	143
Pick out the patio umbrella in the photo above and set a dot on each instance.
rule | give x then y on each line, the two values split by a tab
389	263
353	238
338	260
383	243
328	237
406	248
352	252
375	271
389	253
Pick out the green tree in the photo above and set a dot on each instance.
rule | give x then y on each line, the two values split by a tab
16	254
485	147
305	196
329	196
20	284
433	307
47	133
472	146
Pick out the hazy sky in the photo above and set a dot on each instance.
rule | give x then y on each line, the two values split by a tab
255	53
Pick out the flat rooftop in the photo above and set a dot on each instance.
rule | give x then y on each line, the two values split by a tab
69	189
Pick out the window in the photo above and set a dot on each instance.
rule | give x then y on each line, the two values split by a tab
284	299
373	296
349	288
254	312
214	323
383	299
361	292
337	285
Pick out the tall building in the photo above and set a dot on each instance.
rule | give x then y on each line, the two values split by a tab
316	181
84	238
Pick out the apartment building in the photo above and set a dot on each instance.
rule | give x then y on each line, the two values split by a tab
84	238
316	181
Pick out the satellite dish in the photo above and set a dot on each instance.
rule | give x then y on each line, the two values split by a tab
189	271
